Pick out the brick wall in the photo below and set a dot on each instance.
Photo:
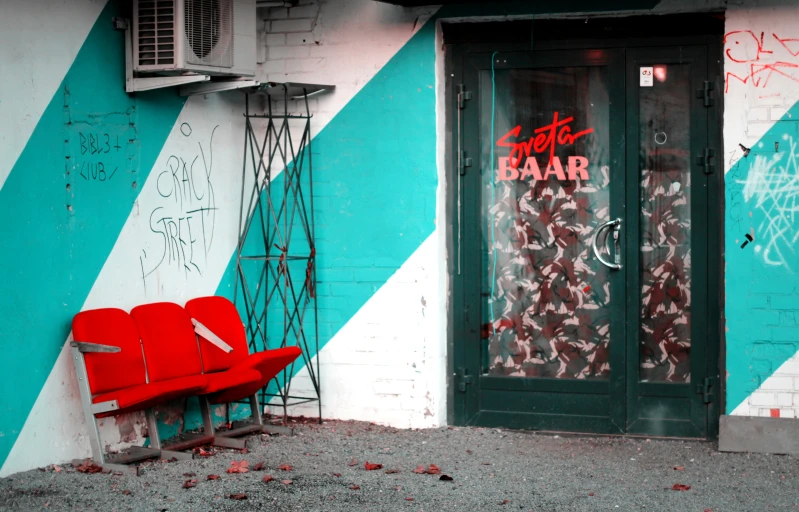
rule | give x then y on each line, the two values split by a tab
762	288
383	355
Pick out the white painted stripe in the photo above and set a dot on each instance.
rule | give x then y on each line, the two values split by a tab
388	363
38	43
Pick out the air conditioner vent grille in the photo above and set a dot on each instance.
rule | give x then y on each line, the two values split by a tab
209	32
156	32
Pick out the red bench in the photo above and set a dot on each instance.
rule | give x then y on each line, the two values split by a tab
127	363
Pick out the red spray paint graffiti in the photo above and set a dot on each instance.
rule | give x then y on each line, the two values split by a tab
752	58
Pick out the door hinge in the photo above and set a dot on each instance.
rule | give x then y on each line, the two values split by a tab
465	162
706	390
463	96
705	93
703	160
463	379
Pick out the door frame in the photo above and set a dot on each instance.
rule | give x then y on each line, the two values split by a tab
458	307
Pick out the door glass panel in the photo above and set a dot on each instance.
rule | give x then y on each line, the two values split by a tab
665	263
545	189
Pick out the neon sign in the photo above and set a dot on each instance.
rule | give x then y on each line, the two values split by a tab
544	139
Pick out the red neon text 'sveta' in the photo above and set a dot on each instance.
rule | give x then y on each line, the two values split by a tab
544	138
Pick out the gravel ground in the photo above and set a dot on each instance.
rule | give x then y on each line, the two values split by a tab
490	469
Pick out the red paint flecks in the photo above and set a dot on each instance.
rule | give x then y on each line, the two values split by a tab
775	413
586	289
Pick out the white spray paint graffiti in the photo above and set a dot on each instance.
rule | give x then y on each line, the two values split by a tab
773	184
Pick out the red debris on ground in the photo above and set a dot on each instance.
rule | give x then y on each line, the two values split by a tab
408	499
89	467
213	477
189	474
353	462
268	478
286	467
188	484
371	467
433	470
680	487
258	467
56	468
240	496
238	466
420	470
392	471
126	492
336	474
244	450
286	482
202	452
354	487
679	468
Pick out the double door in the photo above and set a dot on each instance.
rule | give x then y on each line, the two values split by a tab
584	240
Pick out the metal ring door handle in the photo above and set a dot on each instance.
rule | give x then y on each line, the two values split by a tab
616	225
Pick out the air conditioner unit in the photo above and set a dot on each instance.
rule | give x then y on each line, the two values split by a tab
209	37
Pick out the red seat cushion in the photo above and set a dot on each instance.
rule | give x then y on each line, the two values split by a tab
170	345
144	396
110	371
232	379
267	364
270	362
220	316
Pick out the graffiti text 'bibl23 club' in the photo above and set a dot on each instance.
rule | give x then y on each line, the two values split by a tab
545	138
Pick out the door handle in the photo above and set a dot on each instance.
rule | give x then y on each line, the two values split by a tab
616	225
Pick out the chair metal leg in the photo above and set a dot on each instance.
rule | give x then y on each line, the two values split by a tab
86	405
255	410
152	429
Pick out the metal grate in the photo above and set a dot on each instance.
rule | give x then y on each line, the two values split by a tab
209	32
156	32
276	255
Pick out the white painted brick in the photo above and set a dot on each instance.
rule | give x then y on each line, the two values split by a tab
304	11
392	387
785	399
300	38
787	413
761	398
790	367
777	113
292	26
764	413
273	66
289	52
757	130
757	114
303	65
278	13
778	383
275	39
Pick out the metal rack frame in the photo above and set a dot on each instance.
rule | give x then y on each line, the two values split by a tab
277	235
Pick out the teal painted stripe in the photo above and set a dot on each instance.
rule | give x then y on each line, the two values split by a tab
761	297
53	254
375	183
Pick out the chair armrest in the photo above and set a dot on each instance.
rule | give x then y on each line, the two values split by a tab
206	333
84	347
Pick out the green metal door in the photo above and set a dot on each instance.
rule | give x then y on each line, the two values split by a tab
581	261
